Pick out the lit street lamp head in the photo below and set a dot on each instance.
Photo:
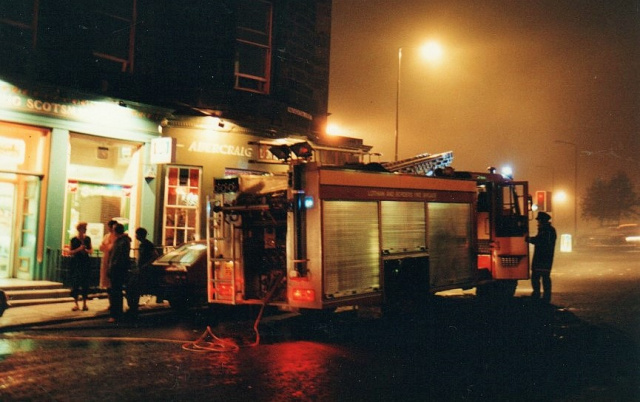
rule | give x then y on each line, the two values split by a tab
432	51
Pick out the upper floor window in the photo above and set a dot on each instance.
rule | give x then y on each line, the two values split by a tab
96	30
18	27
253	46
114	28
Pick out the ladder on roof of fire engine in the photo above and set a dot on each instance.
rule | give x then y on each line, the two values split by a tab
216	265
423	164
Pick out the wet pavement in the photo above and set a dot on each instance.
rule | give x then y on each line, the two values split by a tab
16	318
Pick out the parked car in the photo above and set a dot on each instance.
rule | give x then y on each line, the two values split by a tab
182	275
629	233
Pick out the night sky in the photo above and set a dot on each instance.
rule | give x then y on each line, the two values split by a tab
515	77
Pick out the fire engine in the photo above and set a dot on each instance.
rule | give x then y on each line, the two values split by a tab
320	236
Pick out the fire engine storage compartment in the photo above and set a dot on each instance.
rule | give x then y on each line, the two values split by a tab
250	236
389	238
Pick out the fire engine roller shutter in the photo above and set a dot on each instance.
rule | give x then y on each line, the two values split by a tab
351	247
450	242
403	226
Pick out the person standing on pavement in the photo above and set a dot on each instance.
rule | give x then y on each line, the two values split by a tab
119	265
141	279
80	269
105	248
147	253
545	243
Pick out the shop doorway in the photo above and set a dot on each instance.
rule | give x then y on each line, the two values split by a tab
19	201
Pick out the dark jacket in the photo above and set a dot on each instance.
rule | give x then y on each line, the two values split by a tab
545	244
120	260
146	253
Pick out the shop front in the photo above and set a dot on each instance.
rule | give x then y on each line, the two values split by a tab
67	159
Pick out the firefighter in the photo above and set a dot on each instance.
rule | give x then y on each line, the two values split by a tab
545	243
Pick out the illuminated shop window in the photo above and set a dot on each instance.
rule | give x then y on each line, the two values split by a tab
96	204
181	218
253	46
102	184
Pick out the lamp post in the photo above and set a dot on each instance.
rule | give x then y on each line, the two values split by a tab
432	51
398	101
575	186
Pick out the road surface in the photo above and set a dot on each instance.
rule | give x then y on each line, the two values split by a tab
579	348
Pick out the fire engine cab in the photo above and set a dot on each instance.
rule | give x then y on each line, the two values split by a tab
323	236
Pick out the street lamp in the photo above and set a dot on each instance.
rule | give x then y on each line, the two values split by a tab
334	129
432	51
560	196
575	188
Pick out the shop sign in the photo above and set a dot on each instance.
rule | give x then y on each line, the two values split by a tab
98	190
12	151
14	98
221	149
163	150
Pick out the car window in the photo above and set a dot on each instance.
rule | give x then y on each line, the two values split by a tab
185	254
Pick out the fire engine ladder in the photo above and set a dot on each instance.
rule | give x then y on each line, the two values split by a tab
216	265
423	164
